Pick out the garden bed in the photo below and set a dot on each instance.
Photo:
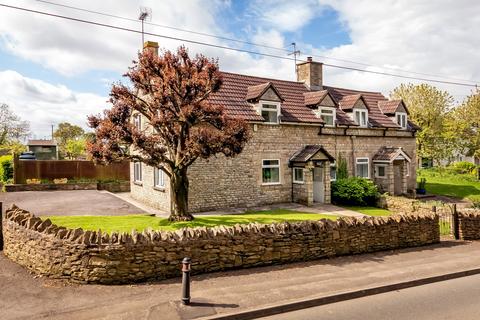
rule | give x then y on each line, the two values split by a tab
50	187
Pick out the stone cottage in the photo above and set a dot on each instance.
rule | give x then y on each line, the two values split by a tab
299	130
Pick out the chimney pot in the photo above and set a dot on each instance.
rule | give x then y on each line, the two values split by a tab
309	59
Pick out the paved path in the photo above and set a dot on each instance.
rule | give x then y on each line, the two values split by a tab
320	208
77	202
452	299
22	297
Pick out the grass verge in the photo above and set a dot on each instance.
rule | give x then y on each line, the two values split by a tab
369	211
142	222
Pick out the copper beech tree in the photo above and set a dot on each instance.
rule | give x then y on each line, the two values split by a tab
170	92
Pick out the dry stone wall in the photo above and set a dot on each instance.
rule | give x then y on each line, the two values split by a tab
469	224
98	257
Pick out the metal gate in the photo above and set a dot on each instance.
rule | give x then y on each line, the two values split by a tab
447	219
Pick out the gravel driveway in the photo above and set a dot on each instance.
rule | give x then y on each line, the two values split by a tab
77	202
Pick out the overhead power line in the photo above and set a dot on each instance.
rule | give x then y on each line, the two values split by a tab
253	43
226	47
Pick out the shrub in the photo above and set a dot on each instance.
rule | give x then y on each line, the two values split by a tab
354	191
463	167
6	168
342	171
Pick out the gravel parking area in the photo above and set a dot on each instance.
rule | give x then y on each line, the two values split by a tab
78	202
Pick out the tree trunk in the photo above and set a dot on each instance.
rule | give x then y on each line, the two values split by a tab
179	196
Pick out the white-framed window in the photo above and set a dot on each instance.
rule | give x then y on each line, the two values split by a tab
137	172
327	115
401	118
380	171
407	165
270	111
361	117
271	171
362	167
333	171
298	175
137	121
158	178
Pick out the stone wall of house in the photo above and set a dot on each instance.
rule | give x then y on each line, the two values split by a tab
146	191
96	257
237	182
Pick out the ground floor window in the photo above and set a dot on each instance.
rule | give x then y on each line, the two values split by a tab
362	165
298	175
137	172
159	178
270	171
380	171
407	169
333	171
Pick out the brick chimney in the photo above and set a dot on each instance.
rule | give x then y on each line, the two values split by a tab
310	73
151	46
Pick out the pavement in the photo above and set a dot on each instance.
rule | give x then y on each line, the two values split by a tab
240	294
76	202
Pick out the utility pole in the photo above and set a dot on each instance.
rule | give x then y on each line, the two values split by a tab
144	14
294	53
52	131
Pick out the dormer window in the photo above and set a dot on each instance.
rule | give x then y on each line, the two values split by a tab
270	111
361	117
401	119
328	115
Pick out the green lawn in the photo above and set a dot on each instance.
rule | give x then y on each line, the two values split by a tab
369	211
441	182
142	222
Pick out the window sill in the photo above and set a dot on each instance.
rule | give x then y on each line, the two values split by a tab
271	184
138	183
299	182
161	189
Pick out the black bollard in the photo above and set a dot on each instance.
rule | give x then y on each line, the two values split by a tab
186	281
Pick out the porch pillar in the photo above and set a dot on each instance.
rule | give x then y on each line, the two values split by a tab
391	179
308	177
326	182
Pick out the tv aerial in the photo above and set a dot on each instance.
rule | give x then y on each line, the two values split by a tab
145	15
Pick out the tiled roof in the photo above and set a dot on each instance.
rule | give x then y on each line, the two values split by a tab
41	143
389	107
375	116
314	97
256	92
346	103
389	154
307	152
232	95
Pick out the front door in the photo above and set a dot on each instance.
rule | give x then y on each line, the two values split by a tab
318	187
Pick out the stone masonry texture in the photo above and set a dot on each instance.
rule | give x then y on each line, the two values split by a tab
220	182
98	257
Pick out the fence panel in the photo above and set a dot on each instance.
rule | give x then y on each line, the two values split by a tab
75	169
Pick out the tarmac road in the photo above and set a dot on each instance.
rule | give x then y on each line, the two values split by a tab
452	299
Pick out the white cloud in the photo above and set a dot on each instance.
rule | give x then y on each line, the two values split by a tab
422	36
44	104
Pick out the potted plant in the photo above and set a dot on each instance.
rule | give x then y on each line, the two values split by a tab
421	186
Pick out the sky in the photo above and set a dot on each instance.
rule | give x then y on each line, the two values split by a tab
54	70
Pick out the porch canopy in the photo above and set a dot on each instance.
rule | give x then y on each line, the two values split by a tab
390	154
312	152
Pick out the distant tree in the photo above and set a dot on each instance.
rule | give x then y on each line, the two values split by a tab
12	128
75	148
430	109
170	92
466	124
66	132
